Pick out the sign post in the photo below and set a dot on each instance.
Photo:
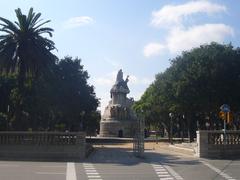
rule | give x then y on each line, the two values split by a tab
226	109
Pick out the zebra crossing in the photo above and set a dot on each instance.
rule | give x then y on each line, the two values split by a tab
91	172
165	172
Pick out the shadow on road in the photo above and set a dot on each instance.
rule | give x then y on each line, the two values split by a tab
117	154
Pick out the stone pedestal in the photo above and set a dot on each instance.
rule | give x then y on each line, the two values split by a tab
113	128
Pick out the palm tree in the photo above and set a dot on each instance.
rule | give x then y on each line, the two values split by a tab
23	49
25	52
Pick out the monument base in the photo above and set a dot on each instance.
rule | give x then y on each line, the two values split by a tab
116	128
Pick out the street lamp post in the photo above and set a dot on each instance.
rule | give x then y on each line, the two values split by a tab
207	125
178	129
8	122
81	123
183	127
171	127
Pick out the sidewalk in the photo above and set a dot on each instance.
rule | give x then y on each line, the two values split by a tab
160	147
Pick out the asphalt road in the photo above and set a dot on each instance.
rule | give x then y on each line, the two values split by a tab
116	163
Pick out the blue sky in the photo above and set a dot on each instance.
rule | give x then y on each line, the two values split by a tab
137	36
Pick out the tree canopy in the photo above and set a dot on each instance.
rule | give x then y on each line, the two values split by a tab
195	85
39	92
23	49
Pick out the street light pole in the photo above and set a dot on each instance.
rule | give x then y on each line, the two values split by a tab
171	127
183	126
8	109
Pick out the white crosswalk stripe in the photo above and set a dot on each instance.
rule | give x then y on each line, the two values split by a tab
165	172
71	171
91	172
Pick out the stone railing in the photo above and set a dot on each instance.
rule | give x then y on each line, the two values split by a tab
218	144
219	138
42	145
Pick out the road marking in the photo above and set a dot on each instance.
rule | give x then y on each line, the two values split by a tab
164	172
167	178
164	175
94	177
174	173
218	171
71	171
159	170
91	172
88	166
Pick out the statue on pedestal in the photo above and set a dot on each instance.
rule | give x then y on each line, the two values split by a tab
118	115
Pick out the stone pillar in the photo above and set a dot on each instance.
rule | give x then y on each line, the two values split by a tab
202	144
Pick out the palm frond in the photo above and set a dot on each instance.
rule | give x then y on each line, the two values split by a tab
36	17
41	24
7	31
30	15
9	24
45	30
21	56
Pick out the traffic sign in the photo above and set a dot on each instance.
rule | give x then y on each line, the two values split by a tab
225	108
228	117
222	115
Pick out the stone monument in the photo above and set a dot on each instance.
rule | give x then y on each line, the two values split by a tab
118	119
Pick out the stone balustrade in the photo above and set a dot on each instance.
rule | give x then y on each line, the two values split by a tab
216	144
42	145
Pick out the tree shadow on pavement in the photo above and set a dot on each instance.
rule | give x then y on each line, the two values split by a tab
124	156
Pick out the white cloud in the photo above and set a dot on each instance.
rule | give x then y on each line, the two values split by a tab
78	21
171	15
106	80
112	62
180	39
153	49
103	81
133	80
180	36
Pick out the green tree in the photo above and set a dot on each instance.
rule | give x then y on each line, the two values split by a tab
23	49
195	85
77	100
25	52
7	84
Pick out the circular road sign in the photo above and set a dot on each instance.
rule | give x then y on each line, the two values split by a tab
225	108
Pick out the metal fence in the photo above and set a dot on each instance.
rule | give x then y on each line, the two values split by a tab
138	140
